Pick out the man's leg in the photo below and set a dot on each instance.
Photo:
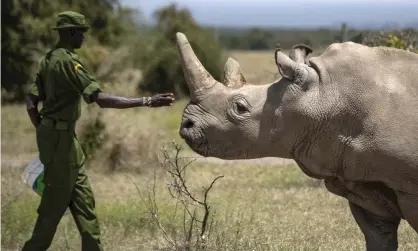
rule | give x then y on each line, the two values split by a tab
54	202
60	177
82	207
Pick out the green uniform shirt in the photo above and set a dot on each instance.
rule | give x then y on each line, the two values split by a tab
60	83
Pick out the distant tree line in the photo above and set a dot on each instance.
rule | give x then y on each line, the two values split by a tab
266	39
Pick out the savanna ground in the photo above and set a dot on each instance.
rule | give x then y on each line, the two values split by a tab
257	205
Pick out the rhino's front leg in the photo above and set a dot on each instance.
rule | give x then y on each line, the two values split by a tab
381	233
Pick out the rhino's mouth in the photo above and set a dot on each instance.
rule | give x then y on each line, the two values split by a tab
196	137
197	142
204	148
212	149
200	146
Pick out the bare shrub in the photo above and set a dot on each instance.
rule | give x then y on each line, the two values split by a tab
191	207
94	134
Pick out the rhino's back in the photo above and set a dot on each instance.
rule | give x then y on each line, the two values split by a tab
359	67
379	86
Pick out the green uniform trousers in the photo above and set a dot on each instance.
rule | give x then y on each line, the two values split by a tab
66	185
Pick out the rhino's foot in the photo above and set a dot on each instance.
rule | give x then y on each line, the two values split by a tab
381	233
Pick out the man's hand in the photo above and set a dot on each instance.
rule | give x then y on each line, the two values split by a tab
32	109
162	99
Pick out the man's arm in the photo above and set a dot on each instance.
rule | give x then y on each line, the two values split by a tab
32	102
34	95
110	101
88	87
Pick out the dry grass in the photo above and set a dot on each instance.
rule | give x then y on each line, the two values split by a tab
258	67
277	209
258	207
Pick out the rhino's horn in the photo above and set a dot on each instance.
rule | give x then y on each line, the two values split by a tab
197	78
299	53
285	64
233	77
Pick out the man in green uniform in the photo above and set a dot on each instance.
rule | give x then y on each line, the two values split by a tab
60	84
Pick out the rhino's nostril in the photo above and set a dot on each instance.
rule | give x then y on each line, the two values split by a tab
187	123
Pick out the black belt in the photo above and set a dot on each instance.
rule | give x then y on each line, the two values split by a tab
61	125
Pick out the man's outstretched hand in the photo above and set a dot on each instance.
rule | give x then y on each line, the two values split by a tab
110	101
162	99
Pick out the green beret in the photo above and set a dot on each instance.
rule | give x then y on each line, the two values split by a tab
71	19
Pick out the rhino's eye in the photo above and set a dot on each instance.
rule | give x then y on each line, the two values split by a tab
240	108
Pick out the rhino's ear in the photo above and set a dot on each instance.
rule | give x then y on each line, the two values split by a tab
233	77
299	53
295	71
285	64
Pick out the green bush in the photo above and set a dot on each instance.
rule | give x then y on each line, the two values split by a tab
403	39
162	72
402	43
395	42
94	135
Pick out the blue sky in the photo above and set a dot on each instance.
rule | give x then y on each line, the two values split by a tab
311	13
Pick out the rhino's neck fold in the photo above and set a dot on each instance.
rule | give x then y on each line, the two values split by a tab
312	140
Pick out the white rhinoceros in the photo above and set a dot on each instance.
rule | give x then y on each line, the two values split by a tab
348	116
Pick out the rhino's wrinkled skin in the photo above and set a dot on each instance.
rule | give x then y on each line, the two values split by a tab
349	117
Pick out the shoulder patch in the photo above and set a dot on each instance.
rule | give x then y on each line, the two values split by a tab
76	66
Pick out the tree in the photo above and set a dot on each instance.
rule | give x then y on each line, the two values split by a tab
163	72
259	39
